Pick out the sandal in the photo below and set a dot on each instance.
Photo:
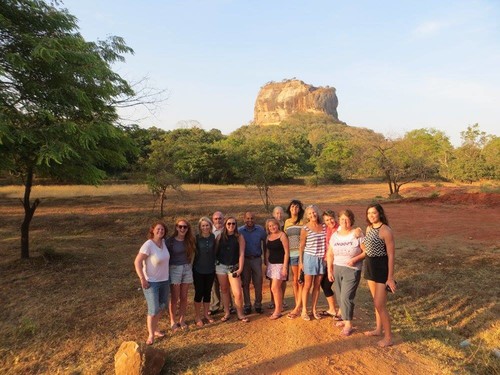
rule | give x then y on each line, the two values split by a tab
225	318
175	327
275	316
306	317
199	323
244	319
337	318
209	320
183	325
292	316
317	316
327	313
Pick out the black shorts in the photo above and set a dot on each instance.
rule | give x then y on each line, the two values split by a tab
376	269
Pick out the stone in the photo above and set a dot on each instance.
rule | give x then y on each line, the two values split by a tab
138	359
278	100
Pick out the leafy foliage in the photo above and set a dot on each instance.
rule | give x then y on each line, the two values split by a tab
56	94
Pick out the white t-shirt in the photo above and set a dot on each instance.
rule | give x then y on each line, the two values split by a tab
345	248
155	267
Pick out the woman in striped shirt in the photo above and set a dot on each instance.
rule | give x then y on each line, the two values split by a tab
311	258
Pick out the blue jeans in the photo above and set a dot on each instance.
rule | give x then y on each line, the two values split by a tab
157	296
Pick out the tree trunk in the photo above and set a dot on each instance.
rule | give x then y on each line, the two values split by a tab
162	199
389	181
29	211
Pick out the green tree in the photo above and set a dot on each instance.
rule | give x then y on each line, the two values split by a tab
433	145
469	162
403	161
491	153
263	162
334	162
57	95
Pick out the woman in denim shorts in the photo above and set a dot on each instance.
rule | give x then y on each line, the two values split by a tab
229	266
182	248
311	258
151	265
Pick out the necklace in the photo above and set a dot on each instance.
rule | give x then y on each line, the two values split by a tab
374	227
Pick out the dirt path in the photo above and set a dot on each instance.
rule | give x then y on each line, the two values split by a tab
288	346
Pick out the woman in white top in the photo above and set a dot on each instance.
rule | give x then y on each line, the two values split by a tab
151	265
345	259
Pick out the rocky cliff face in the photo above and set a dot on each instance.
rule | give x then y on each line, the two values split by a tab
278	100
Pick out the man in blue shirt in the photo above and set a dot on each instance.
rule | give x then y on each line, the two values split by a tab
255	241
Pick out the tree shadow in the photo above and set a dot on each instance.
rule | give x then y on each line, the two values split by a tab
198	355
289	360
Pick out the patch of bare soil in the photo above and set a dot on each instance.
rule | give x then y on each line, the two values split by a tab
100	238
295	346
456	198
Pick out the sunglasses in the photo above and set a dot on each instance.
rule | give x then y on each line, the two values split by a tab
231	224
182	226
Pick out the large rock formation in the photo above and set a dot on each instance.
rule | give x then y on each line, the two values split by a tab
278	100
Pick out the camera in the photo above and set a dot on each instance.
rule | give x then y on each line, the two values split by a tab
301	277
233	270
388	288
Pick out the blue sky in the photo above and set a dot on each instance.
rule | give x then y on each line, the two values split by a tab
397	65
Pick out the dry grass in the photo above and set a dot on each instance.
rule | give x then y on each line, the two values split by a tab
67	309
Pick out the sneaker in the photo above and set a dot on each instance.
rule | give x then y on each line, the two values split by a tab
259	310
232	310
247	310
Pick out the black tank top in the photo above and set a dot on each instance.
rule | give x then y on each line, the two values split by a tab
276	251
228	252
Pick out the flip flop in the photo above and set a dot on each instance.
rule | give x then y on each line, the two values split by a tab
225	318
327	313
274	317
306	317
317	316
150	341
292	316
175	327
199	323
244	319
183	325
210	320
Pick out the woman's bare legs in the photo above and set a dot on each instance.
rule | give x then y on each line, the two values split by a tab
175	290
183	297
379	295
276	287
315	293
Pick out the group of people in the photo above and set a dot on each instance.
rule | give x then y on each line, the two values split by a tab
222	260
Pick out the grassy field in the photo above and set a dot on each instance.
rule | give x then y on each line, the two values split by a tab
68	308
